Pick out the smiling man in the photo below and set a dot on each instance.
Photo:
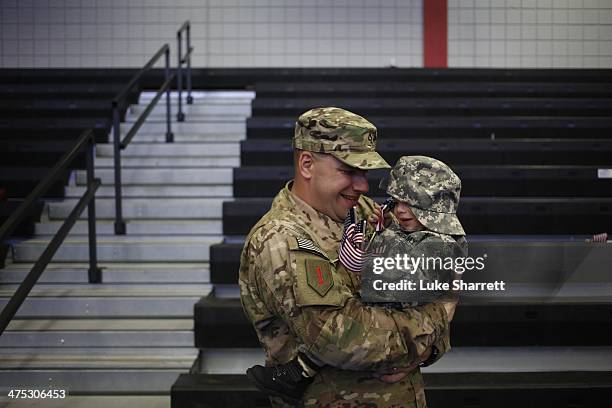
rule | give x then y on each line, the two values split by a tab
301	299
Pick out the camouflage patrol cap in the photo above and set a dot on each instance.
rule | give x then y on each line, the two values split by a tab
343	134
431	189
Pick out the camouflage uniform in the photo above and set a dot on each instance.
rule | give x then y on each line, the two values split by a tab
297	294
431	190
393	241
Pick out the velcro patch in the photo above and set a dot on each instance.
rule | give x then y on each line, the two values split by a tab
318	275
307	245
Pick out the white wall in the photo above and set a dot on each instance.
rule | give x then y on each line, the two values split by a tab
304	33
226	33
530	33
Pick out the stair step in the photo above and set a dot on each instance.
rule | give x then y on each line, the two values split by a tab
97	358
167	176
160	161
172	149
182	137
98	381
156	191
138	227
111	290
122	248
94	325
204	96
100	338
157	272
218	126
107	307
202	114
176	208
104	401
198	111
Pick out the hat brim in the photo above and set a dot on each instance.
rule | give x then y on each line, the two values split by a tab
444	223
362	160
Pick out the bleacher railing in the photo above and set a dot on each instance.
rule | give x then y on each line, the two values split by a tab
183	60
120	144
86	141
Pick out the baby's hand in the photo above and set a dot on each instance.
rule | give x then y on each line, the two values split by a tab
378	215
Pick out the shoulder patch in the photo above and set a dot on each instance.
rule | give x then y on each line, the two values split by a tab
318	275
304	244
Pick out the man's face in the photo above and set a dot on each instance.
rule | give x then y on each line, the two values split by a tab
336	186
406	217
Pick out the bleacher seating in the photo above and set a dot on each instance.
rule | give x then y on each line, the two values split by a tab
527	144
42	113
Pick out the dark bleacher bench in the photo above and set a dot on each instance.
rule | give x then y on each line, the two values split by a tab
26	227
54	108
70	90
266	152
456	127
37	153
250	75
9	76
522	260
284	89
479	215
20	181
492	180
221	323
58	129
367	107
461	390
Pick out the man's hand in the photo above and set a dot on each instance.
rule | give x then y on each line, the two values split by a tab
449	306
400	373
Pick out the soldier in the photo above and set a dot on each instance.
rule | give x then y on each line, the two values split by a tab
300	299
424	198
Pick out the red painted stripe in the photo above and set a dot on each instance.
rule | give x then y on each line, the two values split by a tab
435	33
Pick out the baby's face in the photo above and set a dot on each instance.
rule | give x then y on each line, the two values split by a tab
406	217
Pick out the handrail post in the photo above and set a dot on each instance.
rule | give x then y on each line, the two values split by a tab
169	134
119	223
189	97
94	272
180	116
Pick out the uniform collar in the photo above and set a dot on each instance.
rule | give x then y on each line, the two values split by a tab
321	228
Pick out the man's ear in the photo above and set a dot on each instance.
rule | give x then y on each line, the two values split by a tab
305	163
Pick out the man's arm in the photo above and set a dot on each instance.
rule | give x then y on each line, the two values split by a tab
335	327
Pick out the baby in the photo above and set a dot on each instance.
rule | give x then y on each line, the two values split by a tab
424	195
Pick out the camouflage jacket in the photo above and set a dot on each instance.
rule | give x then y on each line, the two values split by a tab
297	295
427	245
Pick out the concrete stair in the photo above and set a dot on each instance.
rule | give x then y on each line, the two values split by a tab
140	227
112	273
132	334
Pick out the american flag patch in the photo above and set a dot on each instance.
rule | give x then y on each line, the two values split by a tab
307	245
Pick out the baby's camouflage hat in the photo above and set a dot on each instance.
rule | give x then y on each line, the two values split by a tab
430	188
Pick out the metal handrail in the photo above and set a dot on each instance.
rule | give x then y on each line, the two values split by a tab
122	144
186	27
86	140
